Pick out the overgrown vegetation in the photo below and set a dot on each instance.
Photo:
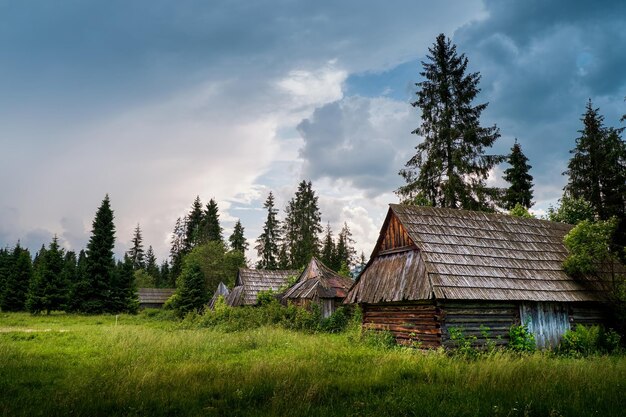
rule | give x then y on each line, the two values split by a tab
148	364
589	340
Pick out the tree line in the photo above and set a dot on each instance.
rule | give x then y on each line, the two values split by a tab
201	259
56	279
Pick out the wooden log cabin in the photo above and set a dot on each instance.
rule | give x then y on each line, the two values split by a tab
436	269
250	282
320	285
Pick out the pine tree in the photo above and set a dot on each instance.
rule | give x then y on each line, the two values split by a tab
193	225
79	289
597	171
48	290
345	248
5	269
237	240
521	189
450	167
70	277
20	273
283	257
211	231
177	250
152	268
268	241
100	261
302	226
135	253
124	293
167	278
328	254
191	291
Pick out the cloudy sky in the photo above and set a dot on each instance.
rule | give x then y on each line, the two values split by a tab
155	102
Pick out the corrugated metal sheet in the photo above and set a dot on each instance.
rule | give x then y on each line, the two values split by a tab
470	255
252	281
154	296
318	281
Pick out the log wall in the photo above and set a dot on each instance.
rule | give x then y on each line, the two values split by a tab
470	316
410	323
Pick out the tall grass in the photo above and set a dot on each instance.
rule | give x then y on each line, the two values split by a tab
149	366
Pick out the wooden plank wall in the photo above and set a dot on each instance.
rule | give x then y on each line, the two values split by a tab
410	323
470	316
589	314
396	236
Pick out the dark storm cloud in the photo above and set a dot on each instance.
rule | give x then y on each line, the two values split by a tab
358	140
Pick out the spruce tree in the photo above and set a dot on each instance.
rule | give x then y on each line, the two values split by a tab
124	291
79	289
100	261
328	254
450	167
177	249
20	274
191	291
237	240
70	277
48	290
193	225
302	226
284	262
167	279
136	253
267	243
5	270
345	248
152	268
521	189
597	171
211	231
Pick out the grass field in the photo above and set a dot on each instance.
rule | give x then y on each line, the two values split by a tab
63	365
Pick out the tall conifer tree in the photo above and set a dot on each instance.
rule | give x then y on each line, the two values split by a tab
136	253
328	254
268	242
450	167
19	276
302	226
152	268
237	240
345	249
521	189
48	290
100	260
177	249
193	225
597	171
211	229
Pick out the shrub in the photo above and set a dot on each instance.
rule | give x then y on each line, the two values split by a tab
382	339
464	345
521	339
589	340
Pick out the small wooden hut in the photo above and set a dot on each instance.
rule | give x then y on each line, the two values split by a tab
250	282
154	297
222	290
319	284
433	269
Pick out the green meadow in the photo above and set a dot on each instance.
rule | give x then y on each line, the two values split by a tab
66	365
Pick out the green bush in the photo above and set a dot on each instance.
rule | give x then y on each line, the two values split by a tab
521	339
589	340
381	339
464	345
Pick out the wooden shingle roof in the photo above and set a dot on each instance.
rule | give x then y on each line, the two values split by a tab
466	255
252	281
154	295
319	281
